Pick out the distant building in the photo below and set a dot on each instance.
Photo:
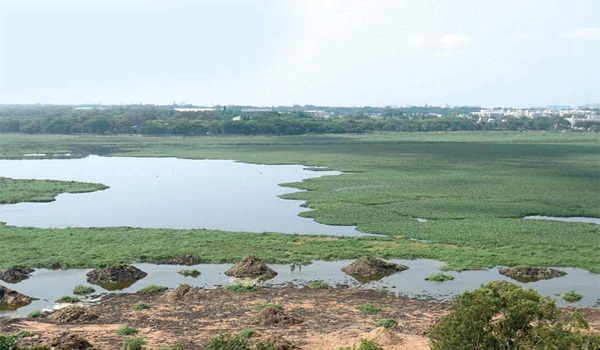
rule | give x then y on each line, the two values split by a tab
194	109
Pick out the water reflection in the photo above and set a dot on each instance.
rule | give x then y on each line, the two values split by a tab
168	193
49	285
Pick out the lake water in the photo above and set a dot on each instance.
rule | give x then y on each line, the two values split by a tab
168	193
49	285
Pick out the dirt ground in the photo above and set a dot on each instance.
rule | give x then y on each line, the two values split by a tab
322	319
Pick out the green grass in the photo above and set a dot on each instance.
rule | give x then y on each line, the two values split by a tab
247	333
386	323
35	314
82	290
152	289
318	285
21	190
269	305
141	306
368	308
474	188
67	299
239	288
124	331
439	277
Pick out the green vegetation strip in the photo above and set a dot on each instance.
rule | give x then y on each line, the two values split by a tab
473	188
25	190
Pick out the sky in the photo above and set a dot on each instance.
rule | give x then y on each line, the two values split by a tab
510	53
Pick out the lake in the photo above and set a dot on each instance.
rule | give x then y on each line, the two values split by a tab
168	193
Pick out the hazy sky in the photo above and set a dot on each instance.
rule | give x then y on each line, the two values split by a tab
284	52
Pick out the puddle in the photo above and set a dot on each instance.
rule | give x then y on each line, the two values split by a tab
565	219
49	285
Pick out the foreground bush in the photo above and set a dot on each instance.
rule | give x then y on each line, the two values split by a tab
364	345
227	342
503	316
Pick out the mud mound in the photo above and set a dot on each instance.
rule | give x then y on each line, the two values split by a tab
188	260
69	341
115	277
251	266
184	292
530	273
384	337
15	274
73	314
370	269
10	299
271	316
279	343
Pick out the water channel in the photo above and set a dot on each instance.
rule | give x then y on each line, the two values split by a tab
216	194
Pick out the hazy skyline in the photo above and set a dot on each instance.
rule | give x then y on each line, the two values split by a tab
517	53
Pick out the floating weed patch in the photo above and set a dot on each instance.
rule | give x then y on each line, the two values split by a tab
369	308
439	277
68	299
83	290
190	273
571	296
152	289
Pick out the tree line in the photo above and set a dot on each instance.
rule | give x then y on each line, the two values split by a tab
165	120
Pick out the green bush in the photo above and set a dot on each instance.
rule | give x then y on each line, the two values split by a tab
247	333
227	342
190	273
268	344
8	342
240	288
571	296
152	289
364	345
82	290
386	323
68	299
127	331
133	344
369	308
267	305
318	285
439	277
141	306
35	314
503	316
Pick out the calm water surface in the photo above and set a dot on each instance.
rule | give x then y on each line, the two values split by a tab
49	285
168	193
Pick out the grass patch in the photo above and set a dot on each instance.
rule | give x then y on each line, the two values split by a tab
227	341
190	273
125	331
368	308
83	290
268	305
67	299
247	333
318	285
35	314
152	289
439	277
141	306
240	288
386	323
571	296
365	344
135	343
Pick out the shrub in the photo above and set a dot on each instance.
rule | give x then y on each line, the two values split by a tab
127	331
370	308
571	296
141	306
152	289
190	273
82	290
68	299
439	277
269	344
8	342
386	323
133	344
240	288
318	285
35	314
502	315
247	333
266	305
227	342
364	345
